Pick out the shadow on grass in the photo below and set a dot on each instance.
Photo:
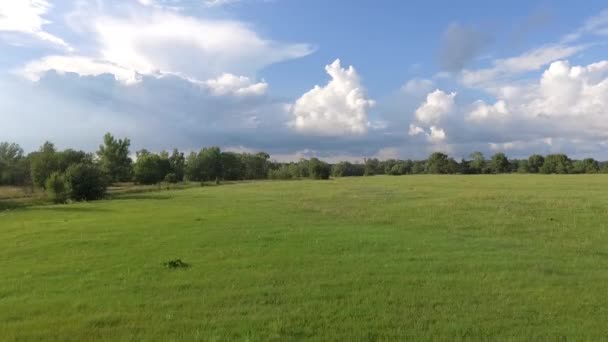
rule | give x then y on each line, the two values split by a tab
11	205
138	196
70	209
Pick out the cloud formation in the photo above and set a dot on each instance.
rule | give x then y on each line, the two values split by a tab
27	17
337	109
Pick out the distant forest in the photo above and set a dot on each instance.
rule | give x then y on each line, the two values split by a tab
78	175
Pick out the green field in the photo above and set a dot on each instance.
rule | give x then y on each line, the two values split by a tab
503	257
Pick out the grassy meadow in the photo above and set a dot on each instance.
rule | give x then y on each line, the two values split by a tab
498	257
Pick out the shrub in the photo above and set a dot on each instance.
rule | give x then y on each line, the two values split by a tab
56	188
171	178
319	169
283	172
85	182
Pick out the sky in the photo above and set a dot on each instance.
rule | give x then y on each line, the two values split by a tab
339	80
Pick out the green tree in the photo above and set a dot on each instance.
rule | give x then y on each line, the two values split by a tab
535	162
319	169
499	163
477	165
177	163
232	167
114	158
150	168
85	182
556	163
14	168
438	163
56	188
43	163
588	165
206	165
523	166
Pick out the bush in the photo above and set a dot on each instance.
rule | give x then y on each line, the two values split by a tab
283	172
171	178
85	182
319	169
56	188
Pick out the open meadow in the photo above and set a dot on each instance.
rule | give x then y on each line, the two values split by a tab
496	257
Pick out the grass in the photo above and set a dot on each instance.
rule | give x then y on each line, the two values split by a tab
513	257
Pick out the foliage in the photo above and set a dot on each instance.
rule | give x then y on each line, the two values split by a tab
500	163
438	163
150	168
14	167
556	163
347	169
85	182
319	169
43	163
57	188
535	162
114	158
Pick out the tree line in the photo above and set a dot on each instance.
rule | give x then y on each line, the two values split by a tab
78	175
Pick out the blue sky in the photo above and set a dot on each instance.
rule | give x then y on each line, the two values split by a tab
518	77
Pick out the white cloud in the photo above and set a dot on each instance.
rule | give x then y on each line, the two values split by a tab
418	86
27	17
569	102
437	105
160	41
339	108
437	135
218	3
83	66
597	25
483	111
504	69
236	85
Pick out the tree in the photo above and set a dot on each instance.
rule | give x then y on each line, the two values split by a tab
523	166
232	168
43	163
588	165
477	165
438	163
319	169
14	168
150	168
56	188
85	182
373	167
255	166
535	162
500	163
114	158
205	165
177	163
556	163
418	167
347	169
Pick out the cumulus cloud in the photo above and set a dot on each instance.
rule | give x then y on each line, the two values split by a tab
27	17
483	111
437	105
339	108
430	114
